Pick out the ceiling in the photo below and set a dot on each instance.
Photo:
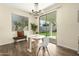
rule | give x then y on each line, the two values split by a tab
28	6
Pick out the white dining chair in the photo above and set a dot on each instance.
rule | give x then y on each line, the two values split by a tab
43	45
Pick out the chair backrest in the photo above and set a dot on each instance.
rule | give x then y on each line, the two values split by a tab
45	41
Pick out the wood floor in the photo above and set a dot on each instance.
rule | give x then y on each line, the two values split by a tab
20	49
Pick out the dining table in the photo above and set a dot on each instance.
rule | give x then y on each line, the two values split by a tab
35	37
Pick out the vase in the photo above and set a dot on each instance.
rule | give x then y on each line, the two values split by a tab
20	33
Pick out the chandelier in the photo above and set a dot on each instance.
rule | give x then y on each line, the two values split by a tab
36	11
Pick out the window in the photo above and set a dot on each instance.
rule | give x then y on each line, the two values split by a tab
19	22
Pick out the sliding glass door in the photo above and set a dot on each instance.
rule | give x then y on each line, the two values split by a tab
48	24
44	25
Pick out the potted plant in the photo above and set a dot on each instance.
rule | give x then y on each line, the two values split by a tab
33	27
20	28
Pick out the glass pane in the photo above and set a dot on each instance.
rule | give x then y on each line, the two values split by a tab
44	25
48	24
51	17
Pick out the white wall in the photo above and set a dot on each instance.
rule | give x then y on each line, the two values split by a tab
6	33
67	25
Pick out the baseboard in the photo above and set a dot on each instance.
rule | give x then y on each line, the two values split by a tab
11	42
67	48
7	43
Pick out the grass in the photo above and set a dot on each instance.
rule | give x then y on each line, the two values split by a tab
48	34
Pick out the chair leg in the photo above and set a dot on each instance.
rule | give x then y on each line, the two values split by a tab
43	51
47	51
38	51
